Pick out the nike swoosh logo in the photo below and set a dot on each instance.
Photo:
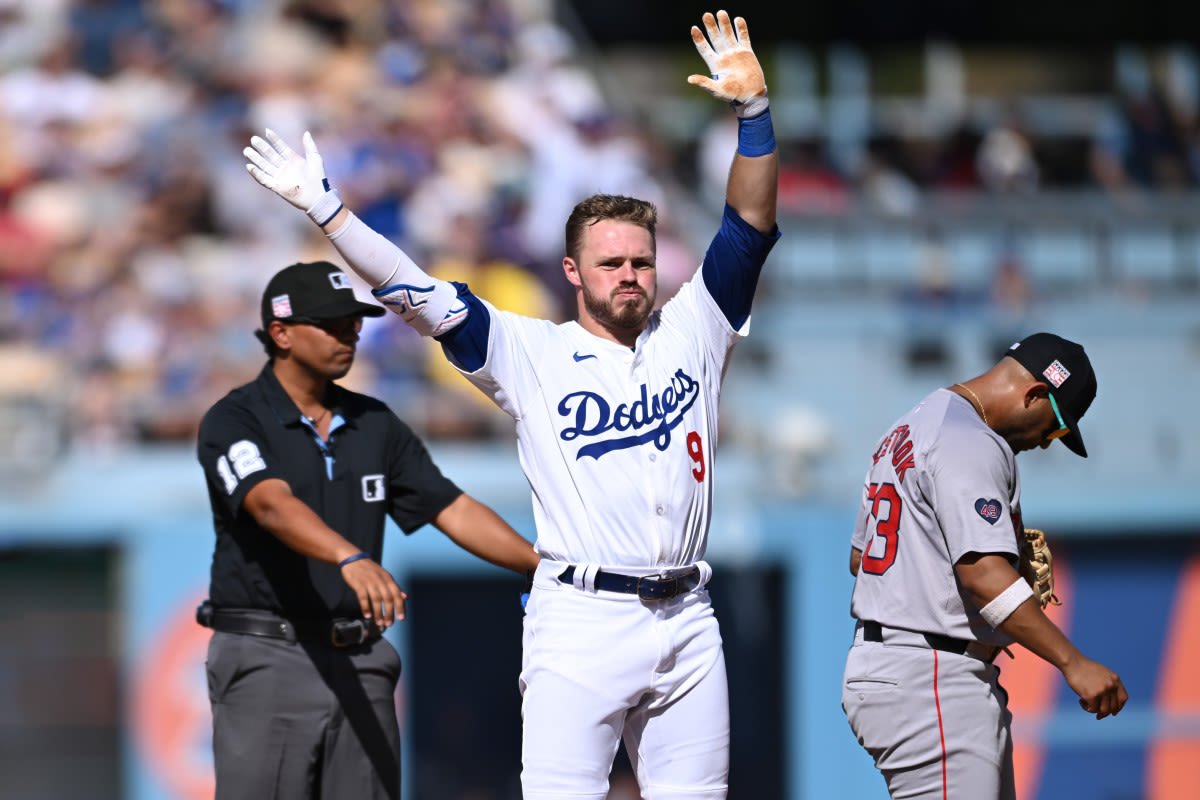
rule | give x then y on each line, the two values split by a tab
578	357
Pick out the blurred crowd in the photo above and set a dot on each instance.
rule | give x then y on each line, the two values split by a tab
134	248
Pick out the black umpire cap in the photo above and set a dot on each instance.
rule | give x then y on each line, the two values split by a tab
1064	367
316	290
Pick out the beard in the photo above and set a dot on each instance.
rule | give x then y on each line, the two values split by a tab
618	313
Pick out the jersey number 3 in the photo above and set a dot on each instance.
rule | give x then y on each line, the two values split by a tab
887	528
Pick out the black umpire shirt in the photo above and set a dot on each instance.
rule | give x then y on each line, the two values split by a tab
372	465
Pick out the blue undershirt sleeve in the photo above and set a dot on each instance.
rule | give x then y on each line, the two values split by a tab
468	342
733	263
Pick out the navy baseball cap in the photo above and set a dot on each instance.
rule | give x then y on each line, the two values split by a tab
1065	368
315	290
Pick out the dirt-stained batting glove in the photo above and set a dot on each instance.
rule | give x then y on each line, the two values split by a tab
299	179
1037	566
737	77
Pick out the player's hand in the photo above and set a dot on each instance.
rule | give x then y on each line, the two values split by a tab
299	179
737	77
378	594
1100	690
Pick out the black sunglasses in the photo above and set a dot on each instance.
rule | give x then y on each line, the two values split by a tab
328	325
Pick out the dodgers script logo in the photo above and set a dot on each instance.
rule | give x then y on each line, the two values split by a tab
650	418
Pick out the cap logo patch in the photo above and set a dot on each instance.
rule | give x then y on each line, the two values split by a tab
281	306
988	509
340	280
1057	374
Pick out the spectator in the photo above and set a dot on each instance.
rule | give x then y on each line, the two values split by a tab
1005	161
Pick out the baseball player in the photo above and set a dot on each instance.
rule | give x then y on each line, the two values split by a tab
937	592
616	418
301	475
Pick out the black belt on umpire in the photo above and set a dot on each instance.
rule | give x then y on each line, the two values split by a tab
343	632
647	587
874	632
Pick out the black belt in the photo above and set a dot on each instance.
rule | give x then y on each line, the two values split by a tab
256	622
873	632
649	587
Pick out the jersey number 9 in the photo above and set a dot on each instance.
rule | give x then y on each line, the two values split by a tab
696	452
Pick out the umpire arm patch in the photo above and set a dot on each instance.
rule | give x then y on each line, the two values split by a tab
243	458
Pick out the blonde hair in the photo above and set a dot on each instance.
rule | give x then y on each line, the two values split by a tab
607	206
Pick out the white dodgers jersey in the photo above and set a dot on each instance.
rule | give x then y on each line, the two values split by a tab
941	484
617	444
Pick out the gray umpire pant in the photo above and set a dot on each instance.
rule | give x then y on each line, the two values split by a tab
296	721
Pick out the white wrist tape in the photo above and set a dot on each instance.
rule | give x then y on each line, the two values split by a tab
326	208
430	305
752	107
1004	604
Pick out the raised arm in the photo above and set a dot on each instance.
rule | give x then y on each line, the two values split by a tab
737	78
431	306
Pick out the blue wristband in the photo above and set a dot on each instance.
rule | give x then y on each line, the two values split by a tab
756	135
353	558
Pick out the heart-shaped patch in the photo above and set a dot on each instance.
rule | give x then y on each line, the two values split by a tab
988	509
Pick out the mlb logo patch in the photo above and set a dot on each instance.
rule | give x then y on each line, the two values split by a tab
340	280
373	489
281	306
1057	374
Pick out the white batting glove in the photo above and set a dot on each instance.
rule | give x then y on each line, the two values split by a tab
737	77
299	179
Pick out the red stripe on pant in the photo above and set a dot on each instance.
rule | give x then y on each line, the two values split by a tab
937	701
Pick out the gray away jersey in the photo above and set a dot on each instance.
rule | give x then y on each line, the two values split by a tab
941	484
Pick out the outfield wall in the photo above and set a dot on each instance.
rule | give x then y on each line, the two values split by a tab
1135	606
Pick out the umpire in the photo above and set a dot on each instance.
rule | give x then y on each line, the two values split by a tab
301	473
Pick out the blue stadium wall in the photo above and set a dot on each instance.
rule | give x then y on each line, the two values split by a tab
1132	600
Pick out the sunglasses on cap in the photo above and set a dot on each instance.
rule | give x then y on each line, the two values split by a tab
1063	430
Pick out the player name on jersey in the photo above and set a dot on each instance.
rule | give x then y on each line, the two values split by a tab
901	447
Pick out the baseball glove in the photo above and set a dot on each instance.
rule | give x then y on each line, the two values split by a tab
1037	566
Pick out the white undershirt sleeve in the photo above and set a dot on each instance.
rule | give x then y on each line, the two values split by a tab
430	305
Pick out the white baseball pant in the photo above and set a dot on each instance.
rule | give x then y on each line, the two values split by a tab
598	666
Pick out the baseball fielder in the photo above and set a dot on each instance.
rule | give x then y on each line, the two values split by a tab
937	594
616	418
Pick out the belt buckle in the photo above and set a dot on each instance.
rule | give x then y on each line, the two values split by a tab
660	591
348	633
